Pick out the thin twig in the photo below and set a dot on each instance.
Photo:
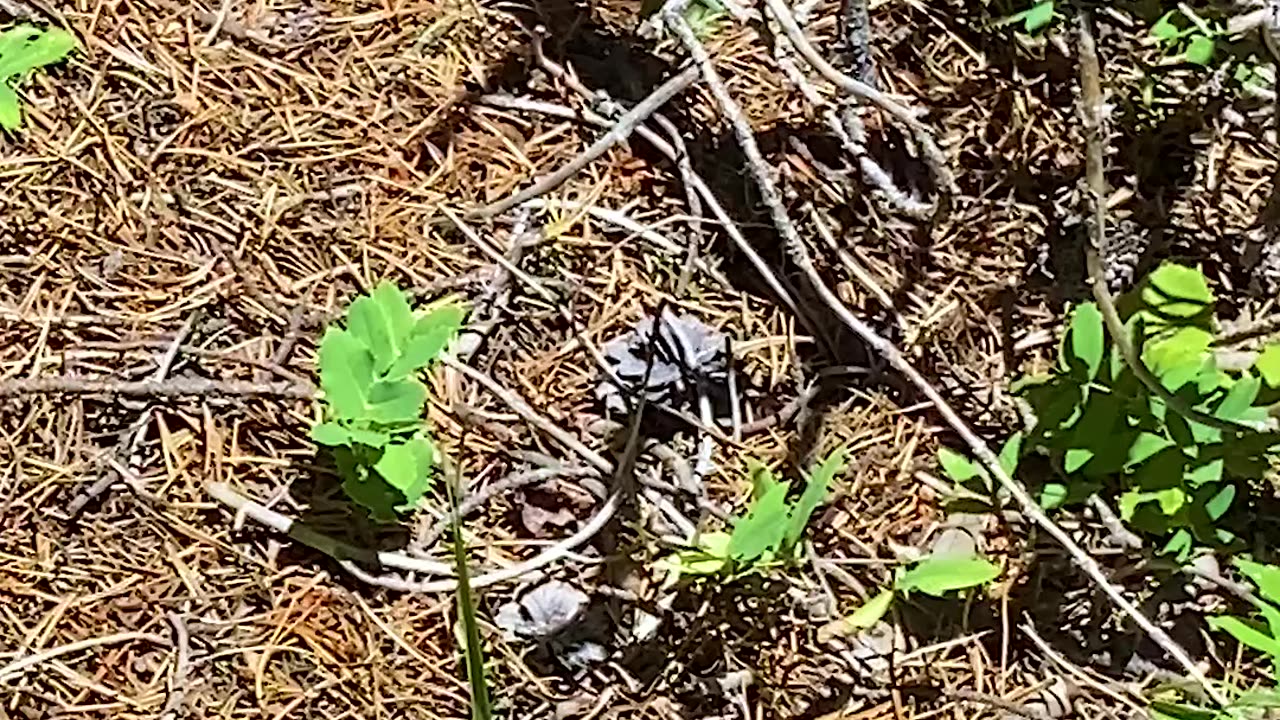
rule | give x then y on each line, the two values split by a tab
174	387
179	681
23	663
622	130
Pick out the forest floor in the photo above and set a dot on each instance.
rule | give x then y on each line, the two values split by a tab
204	185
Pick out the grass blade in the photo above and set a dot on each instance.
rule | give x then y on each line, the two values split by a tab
481	707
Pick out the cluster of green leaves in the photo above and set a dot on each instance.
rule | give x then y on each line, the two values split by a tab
1103	431
1261	636
935	575
374	401
1192	39
768	533
23	49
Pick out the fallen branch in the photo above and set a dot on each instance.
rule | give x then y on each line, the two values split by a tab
799	253
625	126
175	387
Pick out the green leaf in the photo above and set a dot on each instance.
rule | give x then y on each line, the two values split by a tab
407	467
1200	50
762	479
396	401
1266	577
958	467
1239	399
374	495
1183	349
1076	458
365	436
1177	290
1147	445
1053	495
692	562
870	613
1246	634
815	492
1034	17
1179	545
1220	502
346	373
429	337
1086	339
1165	30
938	574
382	321
330	433
763	528
1010	453
25	48
1208	472
1179	711
1268	365
10	109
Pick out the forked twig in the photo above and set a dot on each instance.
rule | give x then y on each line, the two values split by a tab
625	126
174	387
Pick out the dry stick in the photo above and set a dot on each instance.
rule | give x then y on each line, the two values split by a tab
175	387
713	203
1091	102
21	664
932	155
800	255
625	126
136	432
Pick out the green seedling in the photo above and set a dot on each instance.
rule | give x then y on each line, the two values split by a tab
1191	38
481	706
373	401
934	575
24	49
1168	475
768	533
1033	18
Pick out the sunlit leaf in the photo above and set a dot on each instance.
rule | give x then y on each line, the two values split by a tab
25	48
330	433
815	493
958	467
396	401
407	467
382	321
1239	399
1147	445
1010	453
938	574
429	337
1177	290
10	108
1053	495
1268	364
870	613
1200	50
1086	341
1266	577
1207	472
1165	30
763	528
1076	458
346	372
1246	633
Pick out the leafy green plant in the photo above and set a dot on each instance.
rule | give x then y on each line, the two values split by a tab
1033	18
1191	38
373	401
770	530
23	49
935	575
1102	431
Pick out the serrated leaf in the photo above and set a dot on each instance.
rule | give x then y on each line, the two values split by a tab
1265	577
815	493
958	467
1246	634
871	612
396	401
763	528
330	433
1268	365
346	373
382	321
938	574
428	338
407	467
1200	50
1053	495
1086	340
